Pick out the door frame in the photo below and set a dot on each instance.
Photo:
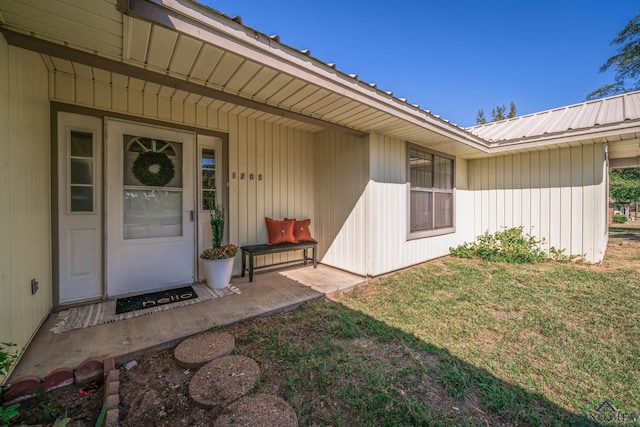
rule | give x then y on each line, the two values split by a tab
58	107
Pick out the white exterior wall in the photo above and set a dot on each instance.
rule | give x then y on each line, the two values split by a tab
282	155
25	194
559	195
340	200
388	246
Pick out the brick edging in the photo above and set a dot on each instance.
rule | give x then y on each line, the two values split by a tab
111	393
89	370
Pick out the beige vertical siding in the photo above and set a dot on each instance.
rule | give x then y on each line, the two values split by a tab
282	155
340	199
555	194
387	245
25	242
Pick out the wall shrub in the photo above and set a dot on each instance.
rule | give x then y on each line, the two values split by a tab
510	245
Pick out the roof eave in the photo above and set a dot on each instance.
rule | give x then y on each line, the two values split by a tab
195	20
568	136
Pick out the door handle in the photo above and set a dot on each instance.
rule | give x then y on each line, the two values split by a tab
191	214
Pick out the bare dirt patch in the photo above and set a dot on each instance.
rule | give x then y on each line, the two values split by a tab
80	403
155	392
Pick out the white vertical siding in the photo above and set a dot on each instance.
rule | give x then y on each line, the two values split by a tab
386	194
340	182
25	243
544	197
534	185
556	194
387	197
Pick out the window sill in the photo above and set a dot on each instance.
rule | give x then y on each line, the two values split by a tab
430	233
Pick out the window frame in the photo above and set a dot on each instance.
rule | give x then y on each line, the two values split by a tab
419	234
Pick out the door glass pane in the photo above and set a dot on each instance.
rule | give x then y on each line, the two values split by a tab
150	165
152	213
208	179
81	144
81	171
152	162
81	199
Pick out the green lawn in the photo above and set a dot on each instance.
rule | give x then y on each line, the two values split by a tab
460	342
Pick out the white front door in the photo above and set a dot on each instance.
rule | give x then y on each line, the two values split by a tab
150	218
79	208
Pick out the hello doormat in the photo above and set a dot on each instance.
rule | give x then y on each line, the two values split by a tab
154	299
105	311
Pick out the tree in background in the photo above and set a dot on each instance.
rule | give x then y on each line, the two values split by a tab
624	185
512	110
499	112
480	118
626	62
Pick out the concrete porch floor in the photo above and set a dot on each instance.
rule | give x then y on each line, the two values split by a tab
270	292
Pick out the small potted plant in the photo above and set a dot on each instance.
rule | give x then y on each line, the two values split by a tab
218	259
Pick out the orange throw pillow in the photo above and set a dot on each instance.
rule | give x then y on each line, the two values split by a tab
301	230
280	231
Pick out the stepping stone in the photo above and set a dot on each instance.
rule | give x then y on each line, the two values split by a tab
223	380
200	349
262	410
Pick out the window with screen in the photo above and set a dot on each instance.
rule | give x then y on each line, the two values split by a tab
431	201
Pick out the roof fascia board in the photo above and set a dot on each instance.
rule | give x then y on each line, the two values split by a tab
174	15
626	162
63	52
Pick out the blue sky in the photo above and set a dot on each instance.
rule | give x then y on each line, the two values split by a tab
455	57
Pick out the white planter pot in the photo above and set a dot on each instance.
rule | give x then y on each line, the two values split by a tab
218	272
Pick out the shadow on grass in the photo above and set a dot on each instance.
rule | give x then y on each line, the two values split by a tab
631	234
337	366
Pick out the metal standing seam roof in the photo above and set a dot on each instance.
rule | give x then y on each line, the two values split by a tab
276	38
591	114
586	115
583	116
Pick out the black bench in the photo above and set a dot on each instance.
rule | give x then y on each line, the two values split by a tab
250	251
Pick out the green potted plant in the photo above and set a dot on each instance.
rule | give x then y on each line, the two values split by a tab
218	259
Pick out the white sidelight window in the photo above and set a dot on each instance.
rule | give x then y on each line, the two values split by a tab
81	172
431	188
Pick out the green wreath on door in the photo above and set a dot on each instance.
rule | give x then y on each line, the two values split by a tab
143	165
